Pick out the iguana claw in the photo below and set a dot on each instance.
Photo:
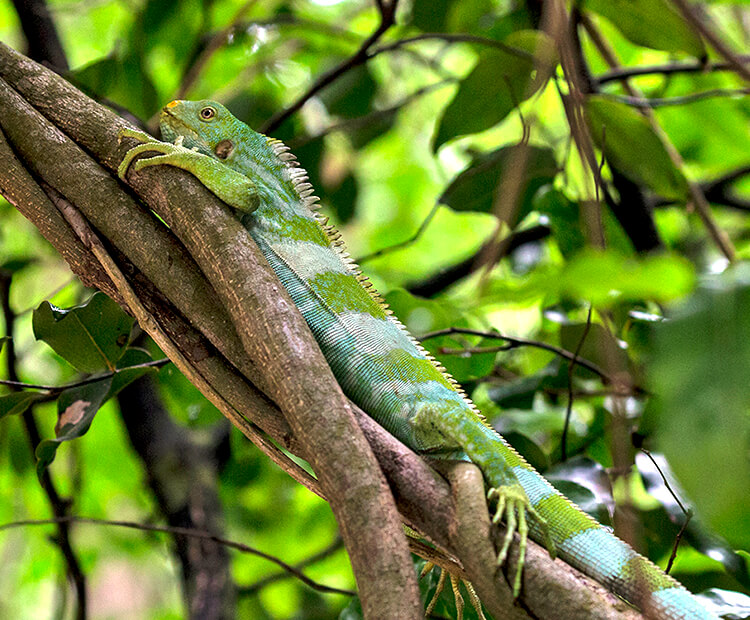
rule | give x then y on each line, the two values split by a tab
511	501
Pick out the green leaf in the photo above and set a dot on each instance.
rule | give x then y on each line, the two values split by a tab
520	393
651	23
701	416
91	337
122	78
351	96
475	187
3	340
76	408
132	357
631	146
18	402
430	15
605	277
564	218
497	84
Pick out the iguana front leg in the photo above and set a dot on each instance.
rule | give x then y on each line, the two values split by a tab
235	189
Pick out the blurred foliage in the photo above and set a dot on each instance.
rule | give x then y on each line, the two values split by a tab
480	130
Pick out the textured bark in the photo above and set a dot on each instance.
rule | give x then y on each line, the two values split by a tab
272	332
49	132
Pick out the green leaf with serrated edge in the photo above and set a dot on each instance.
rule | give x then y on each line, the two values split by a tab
651	23
18	402
475	187
497	84
76	408
91	337
631	146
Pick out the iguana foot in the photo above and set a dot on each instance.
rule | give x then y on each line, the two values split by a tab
513	504
149	144
235	189
475	602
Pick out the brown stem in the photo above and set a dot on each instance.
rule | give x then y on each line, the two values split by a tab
387	10
691	16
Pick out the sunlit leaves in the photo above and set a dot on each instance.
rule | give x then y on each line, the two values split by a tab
476	188
604	279
497	84
91	337
651	23
632	147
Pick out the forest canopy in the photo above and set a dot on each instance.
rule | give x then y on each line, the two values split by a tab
554	198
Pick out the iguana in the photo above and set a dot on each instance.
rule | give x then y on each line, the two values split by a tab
377	362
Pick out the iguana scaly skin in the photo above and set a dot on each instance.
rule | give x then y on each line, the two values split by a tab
379	365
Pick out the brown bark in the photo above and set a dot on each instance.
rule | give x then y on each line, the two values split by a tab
234	352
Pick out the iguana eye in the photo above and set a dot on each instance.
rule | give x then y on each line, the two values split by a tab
207	113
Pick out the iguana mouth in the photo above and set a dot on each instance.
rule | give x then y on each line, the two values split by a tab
173	127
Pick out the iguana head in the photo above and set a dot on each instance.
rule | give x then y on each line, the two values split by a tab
205	126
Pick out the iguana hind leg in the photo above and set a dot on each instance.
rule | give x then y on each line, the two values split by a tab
498	463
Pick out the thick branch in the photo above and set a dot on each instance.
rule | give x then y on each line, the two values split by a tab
423	497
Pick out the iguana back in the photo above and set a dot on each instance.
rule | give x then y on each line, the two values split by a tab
379	365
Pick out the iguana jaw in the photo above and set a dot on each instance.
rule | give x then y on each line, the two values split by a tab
173	128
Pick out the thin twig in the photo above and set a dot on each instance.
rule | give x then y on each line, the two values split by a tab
110	373
516	341
619	74
182	531
387	10
571	368
368	119
691	16
660	102
719	237
453	38
402	244
686	511
59	505
254	588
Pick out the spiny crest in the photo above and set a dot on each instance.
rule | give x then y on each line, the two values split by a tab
300	181
297	174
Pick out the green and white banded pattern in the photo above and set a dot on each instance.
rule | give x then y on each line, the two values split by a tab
379	365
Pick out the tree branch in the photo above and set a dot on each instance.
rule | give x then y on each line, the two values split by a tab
210	344
387	9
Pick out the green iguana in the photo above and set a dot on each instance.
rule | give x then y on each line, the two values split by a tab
379	365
